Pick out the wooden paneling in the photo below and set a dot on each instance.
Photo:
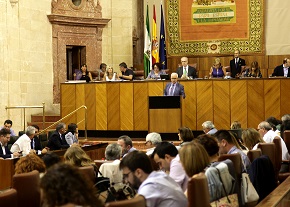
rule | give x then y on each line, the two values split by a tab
285	97
113	98
126	106
80	100
141	106
189	105
155	88
164	120
101	106
68	101
91	105
272	98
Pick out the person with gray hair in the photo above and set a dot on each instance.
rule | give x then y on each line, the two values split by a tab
152	139
126	143
22	145
57	140
174	88
209	128
113	152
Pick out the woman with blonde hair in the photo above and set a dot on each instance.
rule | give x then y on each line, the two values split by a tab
251	138
254	71
217	70
109	74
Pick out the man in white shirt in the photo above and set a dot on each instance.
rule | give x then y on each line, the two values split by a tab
158	188
23	143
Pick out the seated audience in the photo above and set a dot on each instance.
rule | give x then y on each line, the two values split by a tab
63	185
109	75
29	163
285	124
254	71
50	158
4	150
126	143
84	74
126	73
275	122
35	142
185	71
156	71
236	125
158	188
251	138
166	156
8	125
210	144
71	136
23	143
282	70
57	140
209	128
217	70
174	88
152	139
185	135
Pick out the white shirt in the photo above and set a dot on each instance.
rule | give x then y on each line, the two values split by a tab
112	171
177	173
22	144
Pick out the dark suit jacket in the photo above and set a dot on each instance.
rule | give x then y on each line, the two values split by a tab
7	151
191	72
56	142
279	71
234	70
37	144
179	90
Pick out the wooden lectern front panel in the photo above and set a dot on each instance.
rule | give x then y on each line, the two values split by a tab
164	120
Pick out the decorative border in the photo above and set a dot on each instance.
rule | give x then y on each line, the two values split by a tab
253	45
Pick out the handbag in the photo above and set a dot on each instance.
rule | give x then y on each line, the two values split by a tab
248	191
102	183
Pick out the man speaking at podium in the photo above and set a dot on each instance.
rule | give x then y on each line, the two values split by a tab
174	88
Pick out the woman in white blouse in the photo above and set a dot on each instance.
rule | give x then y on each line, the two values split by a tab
72	134
109	74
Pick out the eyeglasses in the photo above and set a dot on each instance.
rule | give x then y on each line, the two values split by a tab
125	176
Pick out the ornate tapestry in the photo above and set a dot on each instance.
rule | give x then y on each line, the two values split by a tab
206	27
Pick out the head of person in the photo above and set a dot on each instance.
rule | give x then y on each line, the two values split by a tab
153	138
236	125
73	128
136	167
110	70
30	132
263	128
225	141
255	66
126	143
156	67
103	66
209	143
61	128
76	156
50	158
163	154
217	63
193	158
36	128
286	62
174	77
251	137
84	68
185	134
113	152
29	163
5	136
207	126
64	184
236	53
8	124
273	120
184	61
123	66
285	117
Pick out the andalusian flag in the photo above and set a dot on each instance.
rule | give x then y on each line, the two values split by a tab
155	56
147	46
162	51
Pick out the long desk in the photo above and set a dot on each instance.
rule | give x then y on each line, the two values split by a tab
124	105
95	152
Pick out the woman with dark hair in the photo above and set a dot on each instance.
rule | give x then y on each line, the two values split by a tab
210	144
71	135
156	71
86	75
185	135
63	185
254	71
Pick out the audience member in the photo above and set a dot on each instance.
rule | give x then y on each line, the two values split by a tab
50	159
64	185
56	140
236	125
277	123
4	150
174	88
86	75
217	70
71	136
8	125
156	71
186	71
29	163
23	143
35	142
185	135
282	70
126	143
166	156
254	71
126	73
228	145
152	139
109	75
236	64
159	189
285	124
210	144
251	138
209	128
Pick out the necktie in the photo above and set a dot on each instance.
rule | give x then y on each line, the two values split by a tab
236	62
171	90
184	71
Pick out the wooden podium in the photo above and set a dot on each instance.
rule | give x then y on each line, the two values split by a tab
164	114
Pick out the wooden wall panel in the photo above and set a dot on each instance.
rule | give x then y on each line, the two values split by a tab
155	88
126	106
113	98
204	105
285	97
221	104
256	109
101	106
275	60
140	106
272	98
238	98
80	100
189	104
68	101
90	102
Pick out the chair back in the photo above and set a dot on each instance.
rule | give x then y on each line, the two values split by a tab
28	189
138	201
237	161
287	139
278	154
197	191
8	198
269	150
88	173
253	154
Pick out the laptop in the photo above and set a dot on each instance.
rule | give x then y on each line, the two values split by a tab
164	77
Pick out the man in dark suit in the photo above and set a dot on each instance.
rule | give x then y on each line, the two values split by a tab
174	88
282	70
236	64
186	71
35	142
4	150
56	140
